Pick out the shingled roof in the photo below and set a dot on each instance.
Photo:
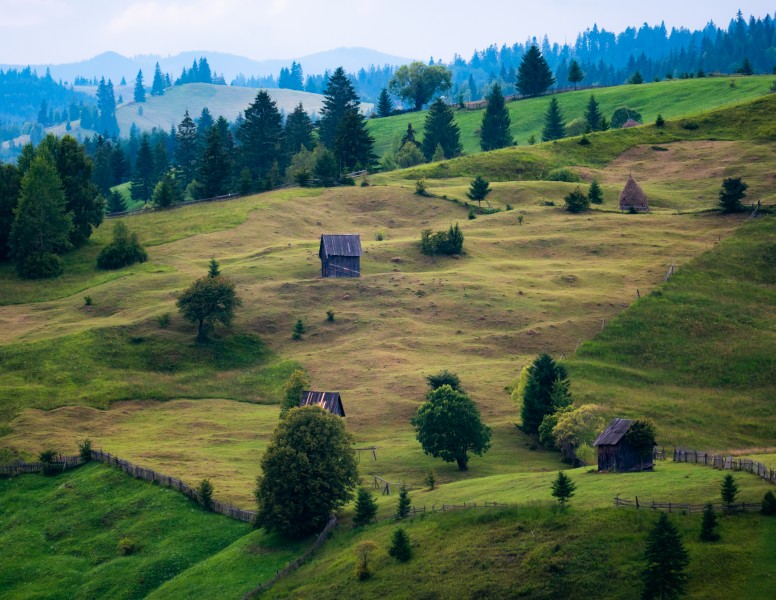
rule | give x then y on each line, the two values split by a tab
614	433
330	401
341	245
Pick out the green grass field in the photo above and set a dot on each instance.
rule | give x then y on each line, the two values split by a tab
672	99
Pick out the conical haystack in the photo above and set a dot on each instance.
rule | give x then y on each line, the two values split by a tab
633	197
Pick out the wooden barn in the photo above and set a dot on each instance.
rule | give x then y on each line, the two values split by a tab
614	453
330	401
340	255
633	198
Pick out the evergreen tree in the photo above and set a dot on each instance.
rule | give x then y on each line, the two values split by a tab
139	94
326	170
534	76
409	137
339	98
41	227
10	187
213	268
157	88
160	160
186	150
593	114
400	548
730	195
353	143
106	106
494	131
563	488
664	576
124	249
595	195
441	129
404	504
298	132
554	127
384	104
729	489
260	136
478	189
142	187
576	202
204	123
575	75
167	192
439	153
215	168
116	203
709	524
295	385
537	395
636	78
366	508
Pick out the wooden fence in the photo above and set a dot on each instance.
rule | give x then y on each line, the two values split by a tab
385	486
478	104
448	507
60	463
686	507
718	461
321	538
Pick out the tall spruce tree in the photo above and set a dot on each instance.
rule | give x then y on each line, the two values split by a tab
204	123
384	104
339	98
260	136
494	131
139	94
215	168
534	76
142	187
664	576
116	203
575	75
543	374
441	129
298	132
731	194
186	150
41	227
593	114
106	107
353	143
158	85
554	127
10	187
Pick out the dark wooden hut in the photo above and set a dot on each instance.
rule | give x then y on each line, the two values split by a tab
330	401
340	255
614	453
633	197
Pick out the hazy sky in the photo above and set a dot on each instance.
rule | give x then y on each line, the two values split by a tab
57	31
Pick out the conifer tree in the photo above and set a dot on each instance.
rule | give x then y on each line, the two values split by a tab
186	151
160	159
441	129
709	524
10	186
139	94
204	123
563	488
106	107
213	268
730	195
384	104
439	153
534	76
729	490
593	114
260	136
409	137
366	508
116	203
554	127
142	187
575	75
664	576
404	504
576	202
494	131
167	192
41	227
537	395
594	194
215	168
297	132
157	88
478	189
339	98
400	548
353	143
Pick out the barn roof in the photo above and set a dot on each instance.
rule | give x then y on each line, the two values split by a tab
330	401
341	245
633	196
614	433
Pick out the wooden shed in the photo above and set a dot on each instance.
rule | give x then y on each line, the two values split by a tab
330	401
633	197
340	255
614	453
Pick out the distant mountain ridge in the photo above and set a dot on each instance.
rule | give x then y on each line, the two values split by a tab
114	66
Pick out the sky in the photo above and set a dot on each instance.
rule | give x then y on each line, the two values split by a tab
60	31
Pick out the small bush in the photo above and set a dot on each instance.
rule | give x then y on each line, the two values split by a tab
471	216
660	148
563	174
345	180
380	236
40	266
420	187
660	121
584	141
442	242
364	181
531	140
205	490
363	551
87	300
690	125
163	320
576	202
123	251
444	377
400	548
330	316
509	207
47	456
299	330
769	503
126	547
520	219
85	450
430	480
547	203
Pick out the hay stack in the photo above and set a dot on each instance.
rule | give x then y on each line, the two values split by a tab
630	123
633	197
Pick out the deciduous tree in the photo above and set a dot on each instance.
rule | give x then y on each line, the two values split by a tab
418	82
207	301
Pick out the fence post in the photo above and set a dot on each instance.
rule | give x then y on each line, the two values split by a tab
637	503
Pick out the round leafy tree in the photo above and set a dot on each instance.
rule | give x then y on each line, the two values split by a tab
308	471
448	426
207	301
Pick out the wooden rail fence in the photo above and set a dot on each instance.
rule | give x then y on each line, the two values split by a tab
686	507
718	461
60	463
290	568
